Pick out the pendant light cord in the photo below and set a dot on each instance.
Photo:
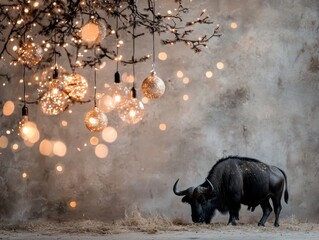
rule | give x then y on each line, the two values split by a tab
133	57
117	38
153	65
94	78
24	86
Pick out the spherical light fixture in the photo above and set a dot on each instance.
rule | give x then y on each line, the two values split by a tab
28	130
55	100
30	54
153	87
95	120
93	31
75	85
132	111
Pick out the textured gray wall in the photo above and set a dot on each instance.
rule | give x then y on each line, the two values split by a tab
263	104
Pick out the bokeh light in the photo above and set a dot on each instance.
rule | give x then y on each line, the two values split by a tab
209	74
162	127
64	123
162	56
24	175
73	204
186	80
46	147
8	108
15	146
233	25
220	65
145	100
59	168
101	151
3	142
179	74
94	140
59	148
109	134
185	97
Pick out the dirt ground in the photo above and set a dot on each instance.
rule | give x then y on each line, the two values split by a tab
137	227
171	235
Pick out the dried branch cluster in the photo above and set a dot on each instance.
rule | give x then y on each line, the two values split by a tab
59	22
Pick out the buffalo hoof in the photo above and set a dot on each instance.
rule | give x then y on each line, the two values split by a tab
276	225
233	223
261	224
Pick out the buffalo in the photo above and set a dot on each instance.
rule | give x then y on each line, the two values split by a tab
233	181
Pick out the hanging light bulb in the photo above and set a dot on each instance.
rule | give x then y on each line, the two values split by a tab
93	32
118	92
95	120
132	111
55	100
153	87
30	53
75	85
28	130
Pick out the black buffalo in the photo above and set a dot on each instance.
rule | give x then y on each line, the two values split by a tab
233	181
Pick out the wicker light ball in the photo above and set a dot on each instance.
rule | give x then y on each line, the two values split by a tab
96	120
30	54
75	85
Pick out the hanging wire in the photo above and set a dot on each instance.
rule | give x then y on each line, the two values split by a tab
94	78
24	86
153	35
133	57
117	38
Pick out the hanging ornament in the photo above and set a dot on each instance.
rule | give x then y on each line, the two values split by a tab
95	120
75	85
132	111
93	32
30	53
153	87
55	100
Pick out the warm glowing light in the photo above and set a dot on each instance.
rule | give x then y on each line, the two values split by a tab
109	134
24	175
94	140
185	97
59	148
145	100
8	108
162	56
119	94
46	147
220	65
162	126
54	101
30	54
101	151
209	74
106	103
3	142
64	123
179	74
93	32
15	146
59	168
73	204
186	80
75	85
132	111
233	25
95	120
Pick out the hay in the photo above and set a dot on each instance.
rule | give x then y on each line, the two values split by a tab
134	221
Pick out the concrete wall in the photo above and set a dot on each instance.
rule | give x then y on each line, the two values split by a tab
262	104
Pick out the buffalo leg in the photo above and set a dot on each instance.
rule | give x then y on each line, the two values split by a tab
233	215
265	205
277	209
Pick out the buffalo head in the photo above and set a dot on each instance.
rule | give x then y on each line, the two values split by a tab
202	200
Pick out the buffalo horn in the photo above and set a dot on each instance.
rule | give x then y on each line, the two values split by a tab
188	191
211	185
